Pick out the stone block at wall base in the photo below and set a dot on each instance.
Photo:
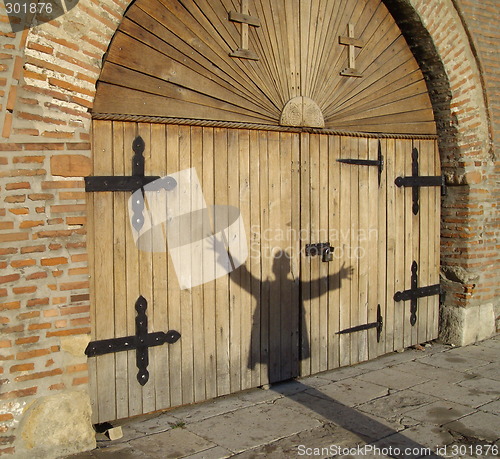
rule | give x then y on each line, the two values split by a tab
56	426
463	326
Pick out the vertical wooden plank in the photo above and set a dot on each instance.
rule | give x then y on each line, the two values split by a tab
382	254
411	242
361	251
185	294
235	290
413	249
132	285
314	212
324	268
91	236
426	168
275	257
160	279
288	303
304	21
305	269
431	247
399	251
120	226
146	276
334	239
296	244
292	25
173	293
371	253
436	235
104	284
391	245
344	244
266	258
246	300
256	244
208	184
222	287
353	247
196	267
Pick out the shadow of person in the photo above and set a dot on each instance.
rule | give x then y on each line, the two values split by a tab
280	311
279	334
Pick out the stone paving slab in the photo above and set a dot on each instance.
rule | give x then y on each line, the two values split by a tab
454	360
216	452
120	451
425	370
211	408
452	392
173	444
328	439
393	378
478	351
407	355
483	385
394	406
439	412
415	442
481	425
493	407
251	427
350	392
285	389
161	422
492	342
344	373
367	426
491	371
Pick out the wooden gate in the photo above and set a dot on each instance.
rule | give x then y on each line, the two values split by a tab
311	118
369	221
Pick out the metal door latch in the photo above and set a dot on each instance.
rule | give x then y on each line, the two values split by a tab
321	248
379	325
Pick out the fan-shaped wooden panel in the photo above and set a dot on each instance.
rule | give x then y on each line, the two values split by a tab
171	58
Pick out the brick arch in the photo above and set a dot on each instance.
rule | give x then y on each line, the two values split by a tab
435	32
440	44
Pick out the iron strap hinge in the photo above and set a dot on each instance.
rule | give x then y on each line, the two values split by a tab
415	292
416	181
368	162
379	325
137	181
116	183
140	342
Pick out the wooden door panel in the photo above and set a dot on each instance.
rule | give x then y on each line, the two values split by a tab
239	331
370	222
278	315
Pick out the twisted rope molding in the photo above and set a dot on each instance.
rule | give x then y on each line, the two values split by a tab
253	126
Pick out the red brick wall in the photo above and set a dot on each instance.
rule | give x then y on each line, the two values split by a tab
47	85
481	20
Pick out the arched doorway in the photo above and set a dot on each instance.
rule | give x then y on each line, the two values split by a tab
302	115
